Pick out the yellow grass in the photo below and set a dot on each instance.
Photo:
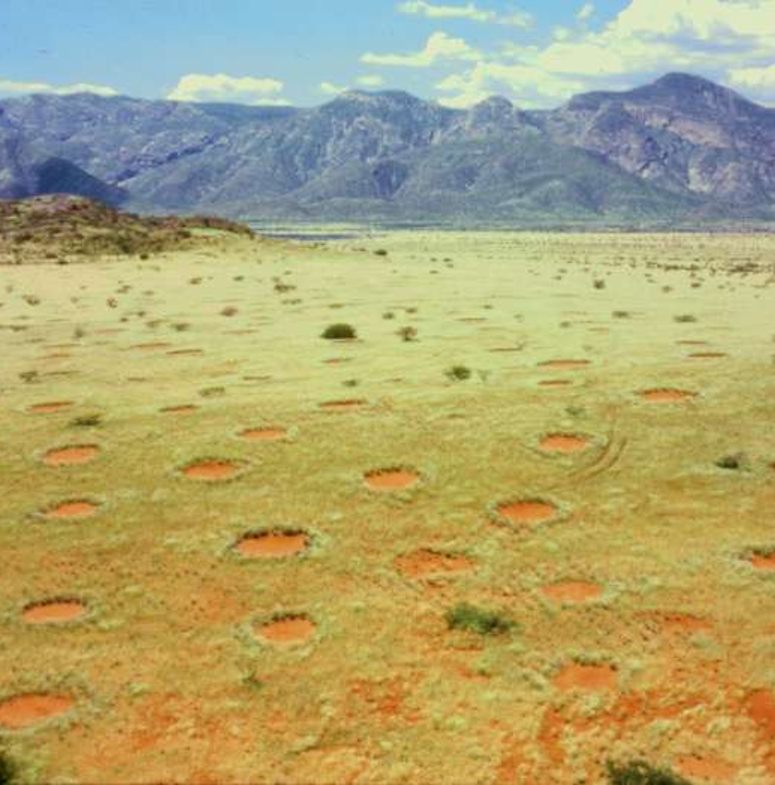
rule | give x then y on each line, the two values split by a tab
170	680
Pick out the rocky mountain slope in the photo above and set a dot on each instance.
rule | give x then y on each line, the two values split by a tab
680	149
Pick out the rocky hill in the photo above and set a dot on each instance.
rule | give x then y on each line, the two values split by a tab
682	149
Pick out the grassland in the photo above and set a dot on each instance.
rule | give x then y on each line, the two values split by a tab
514	575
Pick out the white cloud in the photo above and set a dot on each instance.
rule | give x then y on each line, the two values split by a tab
329	88
371	80
439	46
585	12
470	11
11	87
230	89
730	41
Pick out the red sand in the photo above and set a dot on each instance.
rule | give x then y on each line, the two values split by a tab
183	409
342	406
293	629
572	592
71	456
761	562
56	611
21	711
427	562
72	509
585	677
667	395
555	383
50	408
565	443
273	545
211	471
527	511
264	434
715	770
391	479
564	365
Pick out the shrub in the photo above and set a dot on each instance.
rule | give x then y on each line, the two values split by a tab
407	333
339	331
86	421
8	770
458	373
685	318
381	252
734	462
468	617
640	773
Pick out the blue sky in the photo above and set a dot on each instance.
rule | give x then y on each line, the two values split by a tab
536	52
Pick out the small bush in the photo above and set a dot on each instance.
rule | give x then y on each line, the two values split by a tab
458	373
8	770
468	617
407	333
640	773
388	315
340	331
599	283
685	318
381	252
86	421
738	461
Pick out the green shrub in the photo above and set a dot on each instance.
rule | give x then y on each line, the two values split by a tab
86	421
458	373
640	773
340	331
8	770
468	617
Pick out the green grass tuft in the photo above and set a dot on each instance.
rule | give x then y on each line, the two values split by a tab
8	770
340	331
468	617
641	773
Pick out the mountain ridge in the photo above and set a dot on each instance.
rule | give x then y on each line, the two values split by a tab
679	148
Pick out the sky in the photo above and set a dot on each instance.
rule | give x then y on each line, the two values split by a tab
537	53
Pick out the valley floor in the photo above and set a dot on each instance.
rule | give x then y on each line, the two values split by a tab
230	546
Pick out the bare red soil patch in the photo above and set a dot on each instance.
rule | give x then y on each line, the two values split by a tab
572	592
273	545
74	455
685	622
421	563
54	611
343	406
575	675
714	770
527	511
49	408
564	365
72	509
555	383
763	561
152	346
564	443
212	470
338	360
21	711
760	707
667	395
287	630
185	352
264	434
187	408
391	479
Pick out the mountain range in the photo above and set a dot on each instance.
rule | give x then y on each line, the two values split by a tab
680	151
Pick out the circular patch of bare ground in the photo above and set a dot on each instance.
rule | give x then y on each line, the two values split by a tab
22	711
291	630
272	434
763	561
427	562
572	592
49	407
710	769
527	511
187	408
580	676
564	365
212	470
391	479
72	509
273	544
564	443
72	455
351	404
58	611
555	383
667	395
